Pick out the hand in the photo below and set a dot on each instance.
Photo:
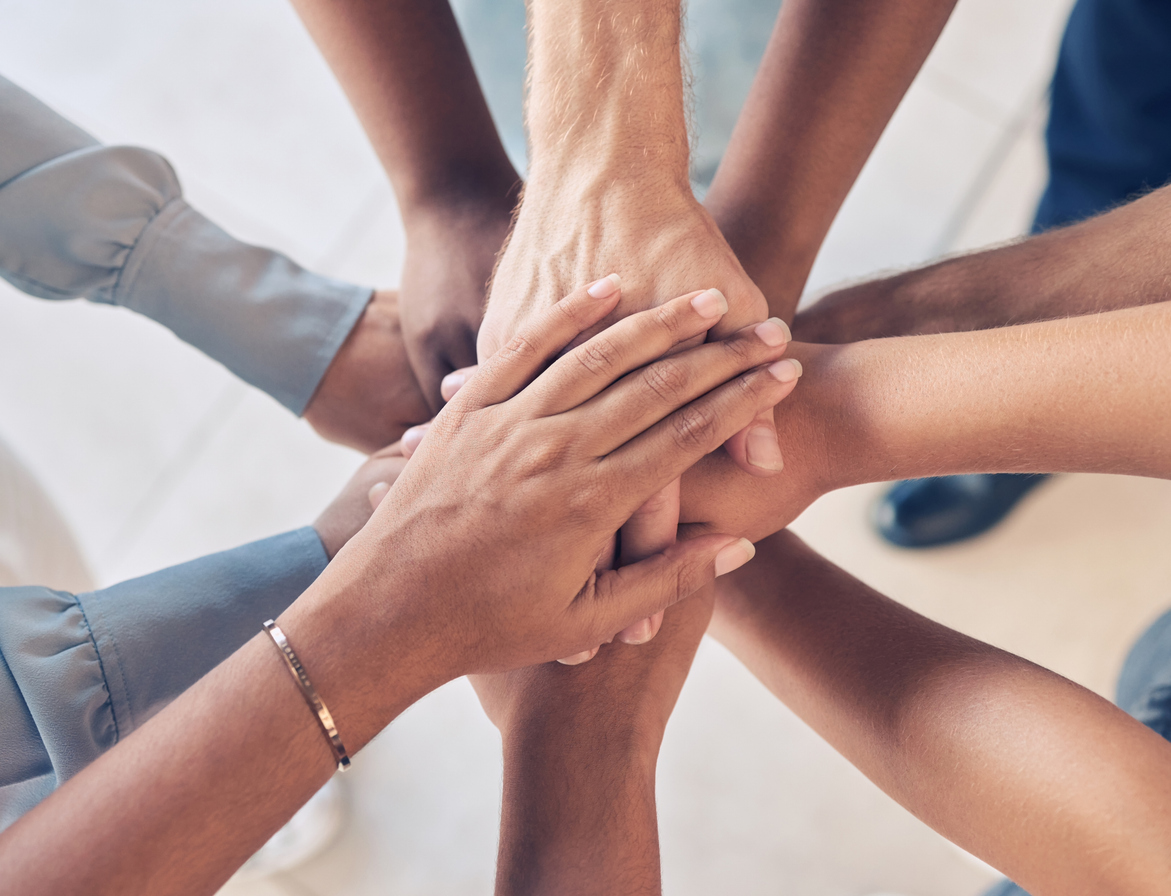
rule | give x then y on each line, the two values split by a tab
560	240
350	510
369	394
592	452
449	261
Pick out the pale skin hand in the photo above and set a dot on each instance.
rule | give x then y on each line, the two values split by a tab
609	181
1041	778
832	75
481	558
369	395
1084	394
406	71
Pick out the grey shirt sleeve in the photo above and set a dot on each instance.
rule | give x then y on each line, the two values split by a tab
80	672
109	223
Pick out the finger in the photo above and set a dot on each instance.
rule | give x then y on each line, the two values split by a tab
455	380
652	528
578	658
378	491
649	395
668	448
620	596
526	354
625	346
413	438
756	449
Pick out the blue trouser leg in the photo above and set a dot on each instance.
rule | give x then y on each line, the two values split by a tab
1109	133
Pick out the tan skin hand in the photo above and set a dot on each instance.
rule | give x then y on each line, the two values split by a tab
350	510
369	395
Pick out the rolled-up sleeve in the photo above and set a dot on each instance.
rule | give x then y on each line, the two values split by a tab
80	672
109	223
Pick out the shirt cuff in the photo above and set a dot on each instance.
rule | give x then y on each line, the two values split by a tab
268	320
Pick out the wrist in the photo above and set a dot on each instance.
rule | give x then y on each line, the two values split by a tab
480	198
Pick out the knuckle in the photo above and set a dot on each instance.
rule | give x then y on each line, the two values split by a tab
519	348
693	427
667	379
599	356
742	351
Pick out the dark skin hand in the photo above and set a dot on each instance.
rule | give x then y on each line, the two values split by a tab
405	69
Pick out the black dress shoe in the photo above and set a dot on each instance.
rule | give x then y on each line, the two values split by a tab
922	513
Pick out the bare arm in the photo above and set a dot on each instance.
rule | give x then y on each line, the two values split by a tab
1115	260
419	596
580	749
1041	778
831	78
1083	394
404	66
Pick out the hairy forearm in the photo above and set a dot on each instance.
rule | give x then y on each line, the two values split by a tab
829	82
606	92
1012	762
406	71
1086	394
1116	260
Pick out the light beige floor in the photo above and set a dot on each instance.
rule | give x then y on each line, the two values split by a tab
155	455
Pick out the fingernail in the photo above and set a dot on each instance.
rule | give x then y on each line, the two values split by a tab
710	303
452	383
636	634
411	439
786	370
761	447
734	556
774	332
607	286
578	658
378	491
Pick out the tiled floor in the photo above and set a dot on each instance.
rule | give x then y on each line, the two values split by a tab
155	454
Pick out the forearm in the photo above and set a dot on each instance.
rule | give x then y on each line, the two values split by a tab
606	93
219	770
1012	762
1116	260
579	811
1087	394
406	71
829	82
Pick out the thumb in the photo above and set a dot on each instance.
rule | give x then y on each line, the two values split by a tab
630	593
754	448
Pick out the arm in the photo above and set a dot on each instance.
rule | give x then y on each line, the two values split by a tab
480	559
406	71
608	182
580	750
1115	260
829	82
78	219
79	673
1041	778
1083	394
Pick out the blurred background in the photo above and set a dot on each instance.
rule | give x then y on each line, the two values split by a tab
132	451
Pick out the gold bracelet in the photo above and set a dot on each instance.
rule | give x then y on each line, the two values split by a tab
310	695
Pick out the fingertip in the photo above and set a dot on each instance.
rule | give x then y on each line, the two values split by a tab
604	288
377	492
578	658
413	437
731	557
